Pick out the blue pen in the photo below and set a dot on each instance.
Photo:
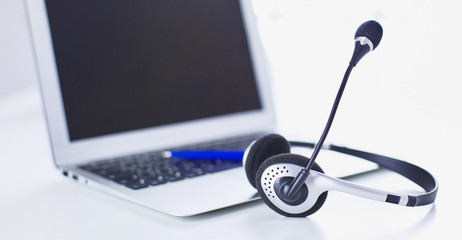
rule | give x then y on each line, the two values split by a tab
231	155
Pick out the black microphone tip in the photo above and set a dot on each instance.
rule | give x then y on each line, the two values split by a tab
372	31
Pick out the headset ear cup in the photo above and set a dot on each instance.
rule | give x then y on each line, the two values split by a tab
293	159
263	148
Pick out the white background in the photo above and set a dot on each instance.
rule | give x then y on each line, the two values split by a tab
403	100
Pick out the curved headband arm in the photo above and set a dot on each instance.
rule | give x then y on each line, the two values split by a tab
410	171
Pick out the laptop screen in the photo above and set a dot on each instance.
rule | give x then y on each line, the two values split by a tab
125	65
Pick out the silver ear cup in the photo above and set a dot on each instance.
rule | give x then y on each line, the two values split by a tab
284	167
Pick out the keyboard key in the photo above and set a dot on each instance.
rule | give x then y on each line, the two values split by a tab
173	176
121	175
137	184
156	181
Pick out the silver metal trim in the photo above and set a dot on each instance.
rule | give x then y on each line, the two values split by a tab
364	40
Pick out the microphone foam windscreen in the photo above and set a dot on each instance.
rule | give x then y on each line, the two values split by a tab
371	30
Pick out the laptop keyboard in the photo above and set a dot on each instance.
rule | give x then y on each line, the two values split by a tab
151	169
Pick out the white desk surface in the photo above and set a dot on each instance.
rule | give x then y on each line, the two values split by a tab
403	100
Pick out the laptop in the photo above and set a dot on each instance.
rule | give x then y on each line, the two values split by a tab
124	80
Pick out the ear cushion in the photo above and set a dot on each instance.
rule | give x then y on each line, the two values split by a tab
294	159
265	147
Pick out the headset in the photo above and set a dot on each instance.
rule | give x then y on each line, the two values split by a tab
271	168
295	186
